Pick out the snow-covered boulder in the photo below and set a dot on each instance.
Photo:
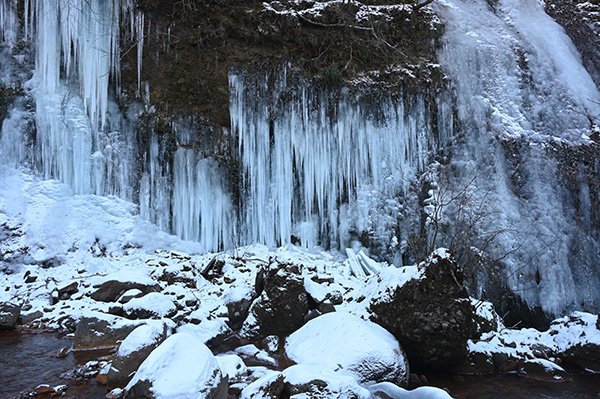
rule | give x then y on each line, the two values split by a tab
115	285
431	316
211	332
346	343
577	339
270	386
151	306
133	351
181	367
312	381
388	390
282	305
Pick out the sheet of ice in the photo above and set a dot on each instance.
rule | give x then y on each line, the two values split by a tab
393	391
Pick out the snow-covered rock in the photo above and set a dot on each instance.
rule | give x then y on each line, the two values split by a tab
152	305
312	381
181	367
575	339
345	343
270	386
101	331
211	332
134	349
388	390
282	305
431	316
9	315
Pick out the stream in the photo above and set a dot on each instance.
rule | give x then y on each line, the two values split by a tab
29	359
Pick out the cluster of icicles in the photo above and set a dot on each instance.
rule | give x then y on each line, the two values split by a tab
306	172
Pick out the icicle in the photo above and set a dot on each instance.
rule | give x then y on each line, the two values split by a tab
305	162
9	22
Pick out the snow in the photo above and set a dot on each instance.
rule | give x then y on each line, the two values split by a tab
231	365
155	302
338	385
180	368
396	392
141	337
340	341
206	330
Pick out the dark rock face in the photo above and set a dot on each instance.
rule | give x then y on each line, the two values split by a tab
9	315
431	317
110	291
94	333
282	305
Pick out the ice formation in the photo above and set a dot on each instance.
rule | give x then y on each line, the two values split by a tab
520	80
321	169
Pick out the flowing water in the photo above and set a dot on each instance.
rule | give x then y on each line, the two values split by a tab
29	359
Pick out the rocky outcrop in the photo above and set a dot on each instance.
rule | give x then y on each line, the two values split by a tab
9	315
281	306
151	306
431	316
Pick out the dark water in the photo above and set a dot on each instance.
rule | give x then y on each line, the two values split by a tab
29	359
507	386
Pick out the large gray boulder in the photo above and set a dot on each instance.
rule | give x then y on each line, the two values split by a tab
431	316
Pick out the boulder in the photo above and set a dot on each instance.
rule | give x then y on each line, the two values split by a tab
577	340
271	386
181	367
282	304
133	351
9	315
431	316
341	341
111	291
151	306
543	370
311	381
101	332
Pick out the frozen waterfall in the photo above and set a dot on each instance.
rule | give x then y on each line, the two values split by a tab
522	93
323	168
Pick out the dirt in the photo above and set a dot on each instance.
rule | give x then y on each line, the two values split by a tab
187	70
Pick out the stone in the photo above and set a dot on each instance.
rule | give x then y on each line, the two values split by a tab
111	291
543	370
151	306
281	307
432	316
270	386
9	315
181	367
101	332
65	291
134	349
342	341
28	318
